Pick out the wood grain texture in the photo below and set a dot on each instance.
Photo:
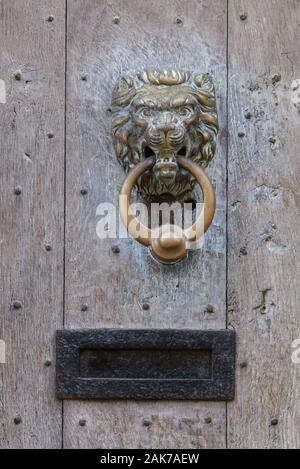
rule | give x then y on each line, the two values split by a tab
34	48
264	221
115	286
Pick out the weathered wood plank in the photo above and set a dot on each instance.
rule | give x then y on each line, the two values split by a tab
115	286
264	221
32	159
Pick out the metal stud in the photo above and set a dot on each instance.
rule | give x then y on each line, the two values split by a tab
210	309
18	75
244	364
147	423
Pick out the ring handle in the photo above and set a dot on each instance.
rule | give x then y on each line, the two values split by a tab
169	243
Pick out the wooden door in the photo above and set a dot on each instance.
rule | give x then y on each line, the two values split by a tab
59	61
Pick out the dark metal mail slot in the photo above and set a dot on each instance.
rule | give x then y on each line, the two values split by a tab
145	364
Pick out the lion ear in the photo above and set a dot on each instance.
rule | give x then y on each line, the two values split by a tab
204	81
123	90
124	83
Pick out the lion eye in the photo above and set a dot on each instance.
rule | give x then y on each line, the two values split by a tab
185	111
145	112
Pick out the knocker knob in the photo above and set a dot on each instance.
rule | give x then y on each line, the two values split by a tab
168	243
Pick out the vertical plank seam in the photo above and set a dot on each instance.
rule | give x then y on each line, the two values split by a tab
226	192
65	196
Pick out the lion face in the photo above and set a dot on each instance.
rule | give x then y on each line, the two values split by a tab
164	114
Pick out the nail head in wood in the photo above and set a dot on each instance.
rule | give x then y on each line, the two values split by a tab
243	251
243	16
50	135
274	422
146	306
84	307
48	363
147	423
18	75
82	422
17	304
50	18
116	19
18	191
208	420
17	420
115	249
83	191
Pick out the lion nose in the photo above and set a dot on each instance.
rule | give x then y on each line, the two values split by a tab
165	126
167	123
168	127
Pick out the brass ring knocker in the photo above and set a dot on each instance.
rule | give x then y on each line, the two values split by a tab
168	243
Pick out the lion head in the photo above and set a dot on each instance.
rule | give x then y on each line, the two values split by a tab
165	114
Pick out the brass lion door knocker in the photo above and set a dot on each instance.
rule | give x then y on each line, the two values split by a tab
164	132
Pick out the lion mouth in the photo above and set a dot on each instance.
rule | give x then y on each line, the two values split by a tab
166	172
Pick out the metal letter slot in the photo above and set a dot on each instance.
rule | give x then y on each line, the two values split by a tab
145	364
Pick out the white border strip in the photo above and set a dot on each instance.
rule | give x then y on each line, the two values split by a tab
2	352
2	92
